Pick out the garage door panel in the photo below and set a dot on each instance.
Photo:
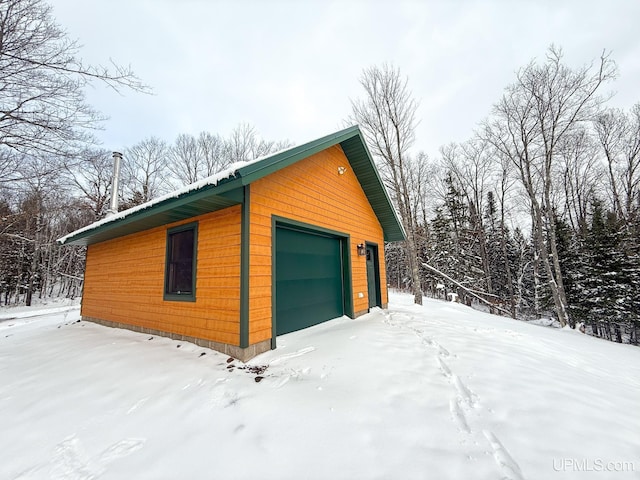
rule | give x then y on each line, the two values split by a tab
309	279
309	292
317	266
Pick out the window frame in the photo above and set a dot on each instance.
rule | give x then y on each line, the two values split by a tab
181	297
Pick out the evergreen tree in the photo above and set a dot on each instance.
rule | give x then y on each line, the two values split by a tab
572	264
609	286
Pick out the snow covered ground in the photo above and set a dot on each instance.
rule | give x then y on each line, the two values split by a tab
433	392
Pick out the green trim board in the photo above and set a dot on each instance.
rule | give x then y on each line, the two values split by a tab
281	224
244	267
225	192
181	297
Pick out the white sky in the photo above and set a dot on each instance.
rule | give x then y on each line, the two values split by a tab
290	68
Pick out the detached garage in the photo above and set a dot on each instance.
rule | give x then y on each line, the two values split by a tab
262	249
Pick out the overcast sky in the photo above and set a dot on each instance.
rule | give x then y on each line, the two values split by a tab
290	68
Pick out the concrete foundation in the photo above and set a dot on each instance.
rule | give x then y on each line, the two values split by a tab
242	354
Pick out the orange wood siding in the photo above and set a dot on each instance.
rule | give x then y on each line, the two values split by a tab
310	191
124	281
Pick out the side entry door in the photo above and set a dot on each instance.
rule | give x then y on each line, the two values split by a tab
373	276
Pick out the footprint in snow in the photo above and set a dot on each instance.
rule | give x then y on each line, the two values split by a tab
70	461
224	398
509	467
458	415
444	367
121	449
466	395
288	356
137	405
291	374
443	351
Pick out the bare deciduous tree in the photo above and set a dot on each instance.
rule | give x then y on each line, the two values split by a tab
214	151
42	102
144	169
185	160
387	117
91	176
471	165
619	137
503	186
579	164
245	144
532	119
192	159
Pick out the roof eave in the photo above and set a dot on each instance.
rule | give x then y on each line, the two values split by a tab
353	145
210	192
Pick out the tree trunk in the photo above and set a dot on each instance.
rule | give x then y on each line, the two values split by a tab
505	254
416	284
556	288
34	262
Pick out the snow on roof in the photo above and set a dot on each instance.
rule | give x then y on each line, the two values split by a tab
212	180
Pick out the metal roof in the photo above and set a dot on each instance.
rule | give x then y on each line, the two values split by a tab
228	191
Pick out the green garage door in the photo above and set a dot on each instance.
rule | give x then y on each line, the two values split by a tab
309	280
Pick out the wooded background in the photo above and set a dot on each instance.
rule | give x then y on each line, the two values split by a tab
537	215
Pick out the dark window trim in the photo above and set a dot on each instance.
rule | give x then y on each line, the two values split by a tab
190	297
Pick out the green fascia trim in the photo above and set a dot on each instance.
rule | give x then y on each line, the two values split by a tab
273	283
367	174
228	192
172	296
346	262
244	268
191	204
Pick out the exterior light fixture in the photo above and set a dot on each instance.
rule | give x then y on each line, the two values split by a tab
362	250
341	170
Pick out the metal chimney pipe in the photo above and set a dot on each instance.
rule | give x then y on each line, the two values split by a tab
113	207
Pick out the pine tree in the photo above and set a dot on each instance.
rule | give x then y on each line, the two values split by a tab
610	283
570	251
